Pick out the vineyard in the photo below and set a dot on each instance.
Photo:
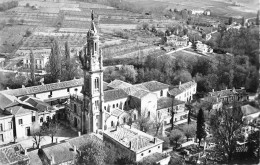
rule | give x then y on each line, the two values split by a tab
9	40
43	41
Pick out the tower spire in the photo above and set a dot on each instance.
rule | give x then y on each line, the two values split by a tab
92	15
92	26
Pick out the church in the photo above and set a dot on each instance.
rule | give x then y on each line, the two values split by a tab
100	105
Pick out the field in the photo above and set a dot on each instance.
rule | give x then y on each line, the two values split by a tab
220	7
12	37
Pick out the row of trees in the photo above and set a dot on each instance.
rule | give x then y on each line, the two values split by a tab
8	5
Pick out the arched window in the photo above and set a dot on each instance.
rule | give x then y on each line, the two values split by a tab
148	113
96	83
134	116
161	92
112	124
95	46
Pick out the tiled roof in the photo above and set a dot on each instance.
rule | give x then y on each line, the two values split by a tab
43	88
166	102
83	139
116	112
248	110
34	158
114	94
5	113
118	84
17	110
181	88
12	154
61	153
38	104
155	85
228	92
140	93
126	136
6	100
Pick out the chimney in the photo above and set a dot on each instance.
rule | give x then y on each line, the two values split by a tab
213	90
179	83
154	140
52	160
79	133
57	141
58	81
42	83
130	145
23	86
226	88
25	151
75	148
7	88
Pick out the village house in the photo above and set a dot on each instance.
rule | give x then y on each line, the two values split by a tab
230	95
28	115
177	41
183	92
64	153
14	154
6	119
164	110
132	143
203	48
40	60
197	11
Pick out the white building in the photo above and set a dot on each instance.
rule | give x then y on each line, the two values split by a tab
197	11
184	92
132	143
203	48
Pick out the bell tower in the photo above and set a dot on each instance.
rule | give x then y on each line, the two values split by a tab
92	65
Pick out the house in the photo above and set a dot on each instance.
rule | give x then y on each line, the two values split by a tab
177	41
131	142
28	115
183	92
13	154
203	48
250	113
6	119
230	95
197	11
164	110
207	12
64	152
54	94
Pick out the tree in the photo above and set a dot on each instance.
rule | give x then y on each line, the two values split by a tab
201	133
51	128
54	67
253	145
143	122
93	152
32	67
257	17
172	114
175	136
189	107
189	130
38	136
176	161
158	122
230	20
67	55
226	127
243	21
129	72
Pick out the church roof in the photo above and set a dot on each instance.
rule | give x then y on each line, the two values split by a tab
114	94
118	84
155	86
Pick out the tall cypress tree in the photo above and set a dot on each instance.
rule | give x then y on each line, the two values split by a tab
201	133
67	61
55	61
243	21
32	67
257	18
